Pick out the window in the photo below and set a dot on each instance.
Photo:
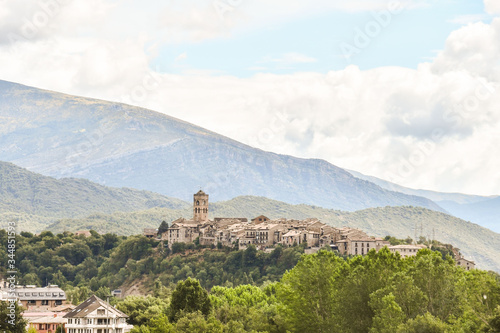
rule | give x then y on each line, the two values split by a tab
45	302
31	302
58	302
100	311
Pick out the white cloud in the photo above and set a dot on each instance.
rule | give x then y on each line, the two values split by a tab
492	6
474	48
181	57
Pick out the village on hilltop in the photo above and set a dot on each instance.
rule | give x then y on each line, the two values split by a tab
265	233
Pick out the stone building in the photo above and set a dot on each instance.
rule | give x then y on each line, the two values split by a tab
407	250
466	264
200	207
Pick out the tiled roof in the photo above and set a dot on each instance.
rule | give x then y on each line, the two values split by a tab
90	305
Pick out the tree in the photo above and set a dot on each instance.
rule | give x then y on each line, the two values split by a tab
163	227
188	297
426	323
11	320
141	309
494	322
195	322
388	315
308	292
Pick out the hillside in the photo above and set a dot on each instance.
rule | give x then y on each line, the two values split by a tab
478	209
476	242
36	200
485	212
124	146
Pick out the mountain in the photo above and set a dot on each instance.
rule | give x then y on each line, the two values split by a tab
36	200
485	212
124	146
475	242
479	209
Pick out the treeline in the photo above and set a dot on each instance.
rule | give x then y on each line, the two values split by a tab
378	293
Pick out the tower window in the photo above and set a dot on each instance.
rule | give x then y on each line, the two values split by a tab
197	202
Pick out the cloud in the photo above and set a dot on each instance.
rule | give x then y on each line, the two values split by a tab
474	49
492	6
181	57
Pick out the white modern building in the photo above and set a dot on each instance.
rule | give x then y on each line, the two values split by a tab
96	316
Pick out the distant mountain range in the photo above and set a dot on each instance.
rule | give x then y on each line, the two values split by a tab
124	146
479	209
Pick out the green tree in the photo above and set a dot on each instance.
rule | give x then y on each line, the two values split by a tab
187	297
195	322
308	291
141	309
163	227
11	320
426	323
358	279
493	324
388	315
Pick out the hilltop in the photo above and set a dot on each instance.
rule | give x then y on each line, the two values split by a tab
484	210
38	200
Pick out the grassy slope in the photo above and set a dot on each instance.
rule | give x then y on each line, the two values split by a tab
35	200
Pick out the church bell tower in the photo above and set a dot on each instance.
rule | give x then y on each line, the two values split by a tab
200	206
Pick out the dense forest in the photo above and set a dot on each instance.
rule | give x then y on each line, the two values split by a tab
194	289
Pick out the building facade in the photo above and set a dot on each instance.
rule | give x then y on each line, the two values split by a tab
96	316
46	298
407	250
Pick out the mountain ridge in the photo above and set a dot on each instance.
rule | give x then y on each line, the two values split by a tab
119	145
484	210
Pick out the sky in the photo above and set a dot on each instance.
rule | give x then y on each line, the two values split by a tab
407	91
